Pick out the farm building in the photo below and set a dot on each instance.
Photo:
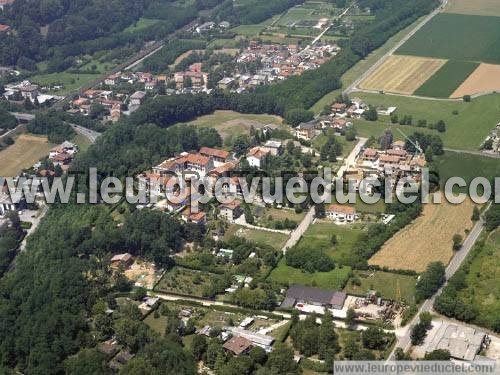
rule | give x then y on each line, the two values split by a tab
341	213
238	345
298	294
257	339
462	342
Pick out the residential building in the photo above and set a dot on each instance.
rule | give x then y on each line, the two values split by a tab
274	147
113	79
225	83
219	157
30	92
341	213
137	98
306	130
256	157
238	345
194	217
230	211
257	339
119	260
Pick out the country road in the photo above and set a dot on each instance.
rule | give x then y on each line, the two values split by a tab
404	341
91	135
353	86
298	232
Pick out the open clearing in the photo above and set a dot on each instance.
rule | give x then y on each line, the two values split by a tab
457	36
447	79
229	123
386	283
23	154
402	74
486	78
428	239
464	131
474	7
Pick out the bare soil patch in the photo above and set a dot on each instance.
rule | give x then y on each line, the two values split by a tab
486	78
402	74
428	239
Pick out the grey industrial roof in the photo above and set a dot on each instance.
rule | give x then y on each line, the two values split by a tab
316	295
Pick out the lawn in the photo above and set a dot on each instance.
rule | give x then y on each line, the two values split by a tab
261	237
185	281
82	142
283	213
447	79
457	36
71	81
464	131
333	280
230	124
319	235
25	152
347	146
362	66
156	324
390	285
453	164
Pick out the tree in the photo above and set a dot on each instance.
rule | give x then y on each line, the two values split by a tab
86	362
492	217
371	114
441	126
328	340
475	214
258	355
199	346
467	98
401	355
457	241
373	338
430	281
214	351
297	116
350	135
386	139
137	366
350	318
281	361
437	355
319	210
418	334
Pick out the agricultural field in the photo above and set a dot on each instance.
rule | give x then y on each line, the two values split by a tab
428	239
475	7
465	130
390	285
402	74
230	124
467	166
445	82
261	237
184	281
486	78
319	236
362	66
333	280
456	36
25	152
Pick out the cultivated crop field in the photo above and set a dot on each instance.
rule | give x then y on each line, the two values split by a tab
457	36
447	79
23	154
428	239
402	74
486	78
474	7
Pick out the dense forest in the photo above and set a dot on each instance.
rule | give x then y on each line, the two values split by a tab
59	30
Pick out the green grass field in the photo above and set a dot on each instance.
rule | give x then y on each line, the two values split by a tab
457	36
318	236
464	131
390	285
261	237
333	280
71	81
468	167
183	280
447	79
347	146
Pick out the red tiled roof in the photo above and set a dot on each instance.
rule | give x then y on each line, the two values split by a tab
237	345
257	152
347	210
231	205
207	151
4	28
223	168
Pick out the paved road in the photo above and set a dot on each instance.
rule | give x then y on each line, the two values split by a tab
354	85
404	341
91	135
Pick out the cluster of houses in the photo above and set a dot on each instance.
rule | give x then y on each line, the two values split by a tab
25	90
393	164
209	164
339	119
63	155
277	62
